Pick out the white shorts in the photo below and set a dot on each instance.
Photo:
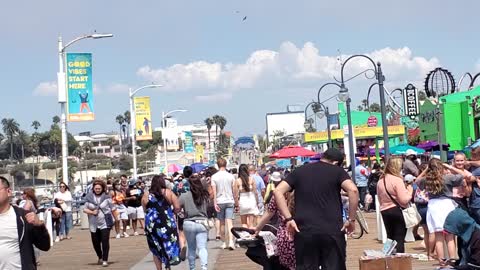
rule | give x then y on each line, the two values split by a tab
136	212
122	212
438	210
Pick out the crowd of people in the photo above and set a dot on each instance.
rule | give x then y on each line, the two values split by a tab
446	196
177	212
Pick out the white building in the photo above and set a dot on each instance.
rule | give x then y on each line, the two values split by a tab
199	134
99	143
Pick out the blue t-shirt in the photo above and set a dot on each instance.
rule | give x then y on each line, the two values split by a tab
260	185
361	176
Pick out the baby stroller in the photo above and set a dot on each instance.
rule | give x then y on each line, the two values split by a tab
255	246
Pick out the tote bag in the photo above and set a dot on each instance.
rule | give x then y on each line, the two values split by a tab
410	214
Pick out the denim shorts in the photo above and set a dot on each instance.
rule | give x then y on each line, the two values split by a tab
226	211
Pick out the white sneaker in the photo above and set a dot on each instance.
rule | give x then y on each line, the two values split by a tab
135	234
223	246
125	235
57	239
128	227
105	264
118	236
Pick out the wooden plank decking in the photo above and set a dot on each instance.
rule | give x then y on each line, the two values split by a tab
236	260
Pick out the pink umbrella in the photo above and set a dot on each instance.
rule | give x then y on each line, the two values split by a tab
173	168
292	151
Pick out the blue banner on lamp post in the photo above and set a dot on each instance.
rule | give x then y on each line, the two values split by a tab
79	87
188	142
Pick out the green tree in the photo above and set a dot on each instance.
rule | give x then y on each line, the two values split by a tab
10	128
56	120
120	119
375	107
36	125
55	139
87	147
222	147
221	123
22	139
209	122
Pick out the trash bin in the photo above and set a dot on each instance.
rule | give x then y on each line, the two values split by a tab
83	219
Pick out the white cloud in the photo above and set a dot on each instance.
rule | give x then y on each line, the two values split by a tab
118	88
214	97
50	89
46	89
288	68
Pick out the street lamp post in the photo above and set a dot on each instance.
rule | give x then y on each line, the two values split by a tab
380	79
326	110
62	94
164	116
131	94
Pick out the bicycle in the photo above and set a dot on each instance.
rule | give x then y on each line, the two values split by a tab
362	225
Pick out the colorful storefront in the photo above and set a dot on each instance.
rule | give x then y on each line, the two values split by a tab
456	117
368	134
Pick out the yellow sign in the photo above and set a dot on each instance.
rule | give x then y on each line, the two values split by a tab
360	132
143	118
199	153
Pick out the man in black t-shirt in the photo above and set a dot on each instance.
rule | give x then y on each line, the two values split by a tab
134	205
317	226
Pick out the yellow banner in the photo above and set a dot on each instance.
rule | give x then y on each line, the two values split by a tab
199	153
360	132
143	124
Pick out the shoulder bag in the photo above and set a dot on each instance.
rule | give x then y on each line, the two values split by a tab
108	217
410	214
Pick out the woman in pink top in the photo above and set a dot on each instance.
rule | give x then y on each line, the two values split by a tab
392	194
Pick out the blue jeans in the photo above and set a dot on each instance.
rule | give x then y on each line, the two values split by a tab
196	235
66	223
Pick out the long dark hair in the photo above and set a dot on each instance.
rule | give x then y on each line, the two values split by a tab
199	192
158	184
245	176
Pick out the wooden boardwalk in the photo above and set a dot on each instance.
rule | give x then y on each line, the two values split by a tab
236	260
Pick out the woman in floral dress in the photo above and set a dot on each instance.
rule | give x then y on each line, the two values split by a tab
285	247
160	225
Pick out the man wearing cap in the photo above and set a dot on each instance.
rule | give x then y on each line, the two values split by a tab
410	164
317	227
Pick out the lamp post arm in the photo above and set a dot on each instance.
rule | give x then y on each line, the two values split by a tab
353	56
132	93
323	86
73	41
306	108
368	95
173	111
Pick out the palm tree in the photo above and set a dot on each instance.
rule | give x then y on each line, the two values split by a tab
120	119
127	117
78	152
22	139
215	119
209	122
87	147
36	125
111	142
56	120
222	122
55	139
10	128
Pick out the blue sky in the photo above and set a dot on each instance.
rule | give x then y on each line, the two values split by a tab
213	62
